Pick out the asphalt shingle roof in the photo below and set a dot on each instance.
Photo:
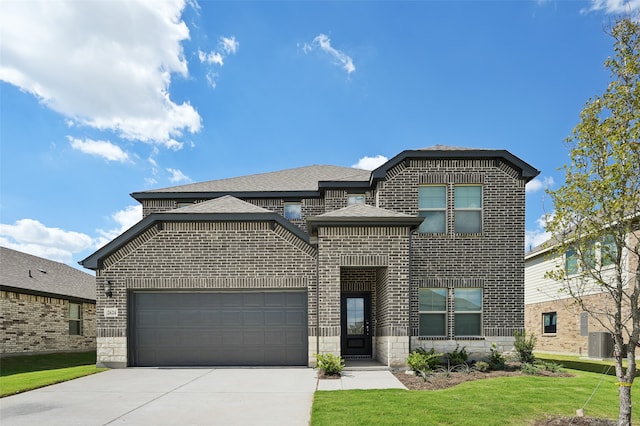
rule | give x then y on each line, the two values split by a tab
24	271
298	179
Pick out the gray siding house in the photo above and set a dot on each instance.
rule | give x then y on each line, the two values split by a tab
270	269
45	306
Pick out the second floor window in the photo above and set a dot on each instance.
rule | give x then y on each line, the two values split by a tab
292	211
468	209
355	199
432	205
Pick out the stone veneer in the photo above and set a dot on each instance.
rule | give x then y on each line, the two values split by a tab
39	324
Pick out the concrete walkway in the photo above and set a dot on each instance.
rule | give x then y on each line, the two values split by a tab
183	396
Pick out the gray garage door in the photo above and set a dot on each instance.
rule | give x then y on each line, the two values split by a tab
221	328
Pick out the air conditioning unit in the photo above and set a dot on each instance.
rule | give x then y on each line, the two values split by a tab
600	345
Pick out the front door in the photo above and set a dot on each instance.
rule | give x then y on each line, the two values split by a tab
356	324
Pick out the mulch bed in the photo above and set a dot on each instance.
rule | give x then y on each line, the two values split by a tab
442	381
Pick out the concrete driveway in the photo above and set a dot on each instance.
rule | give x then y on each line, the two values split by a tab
170	396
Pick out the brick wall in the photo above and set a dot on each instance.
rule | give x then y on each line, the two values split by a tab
492	259
201	255
32	324
381	250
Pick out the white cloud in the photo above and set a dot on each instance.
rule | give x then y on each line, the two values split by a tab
31	236
124	219
102	65
103	149
212	57
537	184
177	176
229	44
537	236
370	163
614	7
323	43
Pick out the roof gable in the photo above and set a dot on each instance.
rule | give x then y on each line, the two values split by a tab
224	209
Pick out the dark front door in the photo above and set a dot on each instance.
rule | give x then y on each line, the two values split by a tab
356	324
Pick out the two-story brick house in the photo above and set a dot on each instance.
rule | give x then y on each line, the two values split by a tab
269	269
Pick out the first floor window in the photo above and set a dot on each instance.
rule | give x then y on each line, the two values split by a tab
468	311
75	319
292	211
549	322
433	311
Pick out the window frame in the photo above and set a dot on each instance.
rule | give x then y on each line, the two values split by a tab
351	197
297	204
571	266
75	324
553	322
456	311
479	209
444	313
424	211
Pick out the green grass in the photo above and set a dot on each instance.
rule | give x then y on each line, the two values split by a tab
499	401
23	373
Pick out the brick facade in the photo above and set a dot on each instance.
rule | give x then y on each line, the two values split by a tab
389	261
492	260
38	324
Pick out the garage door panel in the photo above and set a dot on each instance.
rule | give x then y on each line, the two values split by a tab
224	328
253	318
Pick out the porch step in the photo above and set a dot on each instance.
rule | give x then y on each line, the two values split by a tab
364	365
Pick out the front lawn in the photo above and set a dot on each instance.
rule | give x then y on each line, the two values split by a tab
499	401
23	373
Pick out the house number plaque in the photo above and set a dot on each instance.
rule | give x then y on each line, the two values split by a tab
110	312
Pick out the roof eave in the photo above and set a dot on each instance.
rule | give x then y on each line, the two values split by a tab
195	195
410	221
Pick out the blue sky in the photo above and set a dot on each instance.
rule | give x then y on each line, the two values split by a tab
101	99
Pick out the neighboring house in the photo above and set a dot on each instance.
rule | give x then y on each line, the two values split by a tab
551	313
427	251
45	306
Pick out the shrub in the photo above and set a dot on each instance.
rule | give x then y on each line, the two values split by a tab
423	360
524	346
457	356
528	368
482	366
549	366
496	359
330	364
539	367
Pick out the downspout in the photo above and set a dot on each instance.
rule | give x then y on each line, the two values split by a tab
318	297
410	281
